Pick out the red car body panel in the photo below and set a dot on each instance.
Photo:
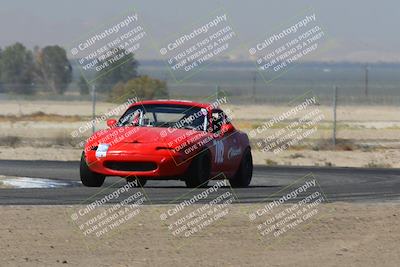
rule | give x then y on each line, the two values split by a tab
153	150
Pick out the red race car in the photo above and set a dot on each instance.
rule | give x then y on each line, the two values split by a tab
168	139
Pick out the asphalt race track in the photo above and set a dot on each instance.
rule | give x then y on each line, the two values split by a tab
338	184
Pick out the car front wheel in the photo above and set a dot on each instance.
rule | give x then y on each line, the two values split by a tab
89	178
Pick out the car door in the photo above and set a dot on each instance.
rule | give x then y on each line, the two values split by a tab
226	146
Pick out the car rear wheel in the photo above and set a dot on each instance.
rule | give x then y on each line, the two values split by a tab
137	182
244	174
88	177
199	171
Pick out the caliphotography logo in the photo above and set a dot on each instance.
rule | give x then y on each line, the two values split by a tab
289	209
190	51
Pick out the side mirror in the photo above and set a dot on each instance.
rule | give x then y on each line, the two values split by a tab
227	128
111	123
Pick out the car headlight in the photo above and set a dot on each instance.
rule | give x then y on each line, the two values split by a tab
101	150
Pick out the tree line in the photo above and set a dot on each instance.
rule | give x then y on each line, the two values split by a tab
22	69
48	70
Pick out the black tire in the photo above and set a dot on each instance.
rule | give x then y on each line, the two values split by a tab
199	171
89	178
244	174
140	181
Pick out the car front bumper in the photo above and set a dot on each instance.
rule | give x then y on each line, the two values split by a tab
158	165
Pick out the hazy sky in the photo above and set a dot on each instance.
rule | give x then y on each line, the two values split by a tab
358	30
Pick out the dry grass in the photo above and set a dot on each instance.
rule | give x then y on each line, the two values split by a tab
64	139
270	162
42	117
296	156
322	145
375	164
10	141
341	145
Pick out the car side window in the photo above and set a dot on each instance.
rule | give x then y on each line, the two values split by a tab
218	118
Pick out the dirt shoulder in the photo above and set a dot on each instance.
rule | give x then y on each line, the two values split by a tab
341	235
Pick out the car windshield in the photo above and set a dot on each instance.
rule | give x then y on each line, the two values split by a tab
165	115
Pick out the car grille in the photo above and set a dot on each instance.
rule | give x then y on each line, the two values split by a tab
130	165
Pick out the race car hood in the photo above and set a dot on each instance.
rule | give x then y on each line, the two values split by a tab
147	135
